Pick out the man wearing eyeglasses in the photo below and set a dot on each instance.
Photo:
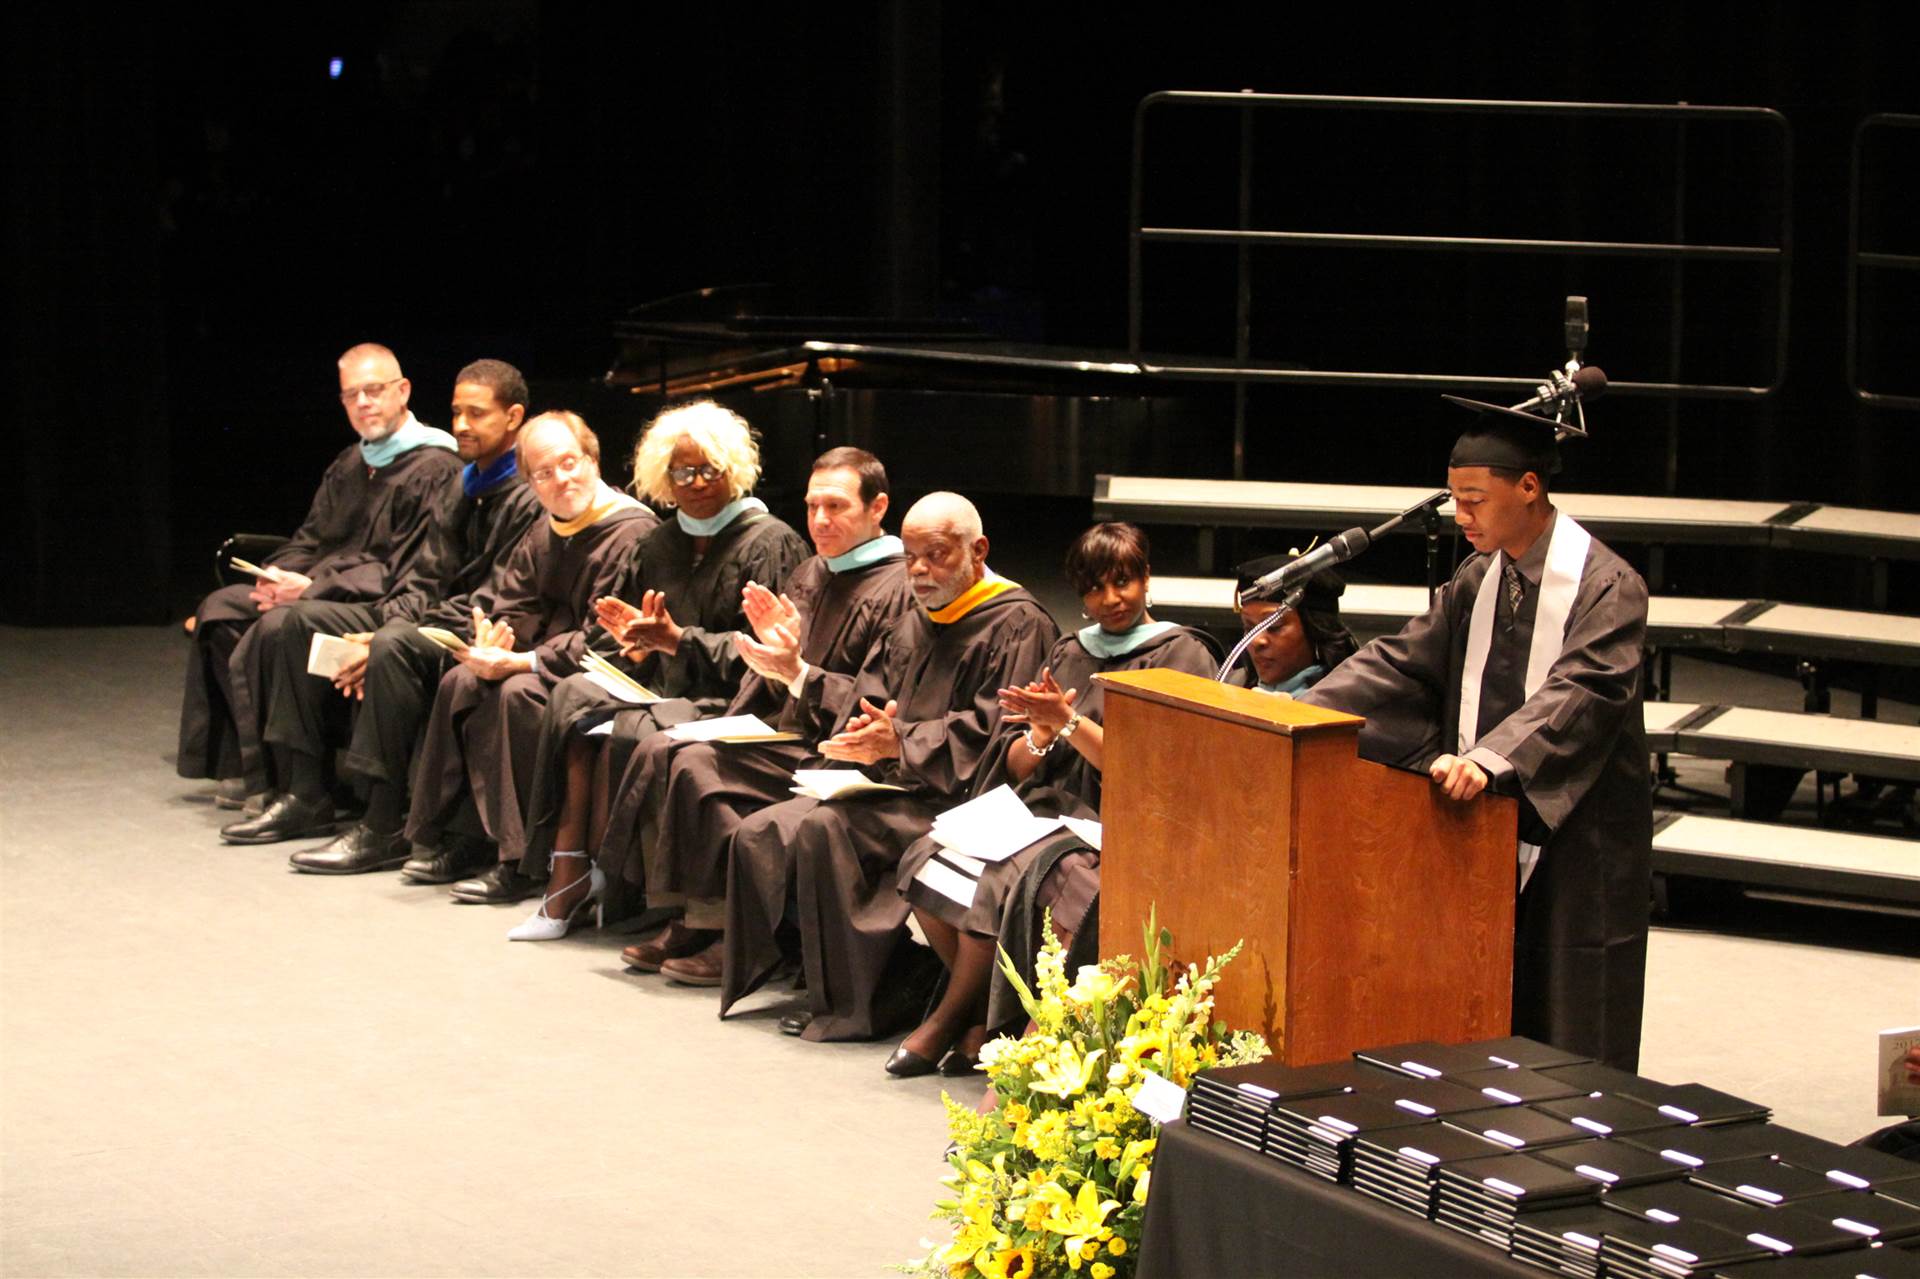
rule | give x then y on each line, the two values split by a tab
370	519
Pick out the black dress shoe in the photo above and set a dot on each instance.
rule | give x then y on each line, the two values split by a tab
430	865
354	853
905	1064
287	817
957	1064
796	1022
501	885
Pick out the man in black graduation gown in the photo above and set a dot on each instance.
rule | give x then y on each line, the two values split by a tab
676	805
481	521
545	596
286	745
921	712
1526	674
371	517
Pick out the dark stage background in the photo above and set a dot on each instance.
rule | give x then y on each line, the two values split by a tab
199	218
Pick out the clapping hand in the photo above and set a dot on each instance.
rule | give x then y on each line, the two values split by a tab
777	658
868	738
1042	704
767	612
615	615
651	629
491	655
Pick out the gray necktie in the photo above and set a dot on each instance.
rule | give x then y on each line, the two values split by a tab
1516	590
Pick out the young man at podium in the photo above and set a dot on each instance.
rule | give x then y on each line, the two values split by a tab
1525	675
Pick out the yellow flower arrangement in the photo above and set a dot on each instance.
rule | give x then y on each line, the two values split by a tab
1053	1180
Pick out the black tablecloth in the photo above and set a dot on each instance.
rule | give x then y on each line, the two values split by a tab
1217	1210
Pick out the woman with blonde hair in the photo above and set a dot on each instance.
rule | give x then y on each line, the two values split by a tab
669	627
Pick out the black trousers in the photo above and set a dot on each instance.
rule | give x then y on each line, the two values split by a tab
209	736
297	711
403	672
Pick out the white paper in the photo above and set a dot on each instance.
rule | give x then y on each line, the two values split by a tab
603	729
705	730
1087	830
947	881
829	783
328	653
614	688
1159	1099
965	863
991	828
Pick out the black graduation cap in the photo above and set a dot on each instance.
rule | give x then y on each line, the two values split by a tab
1509	438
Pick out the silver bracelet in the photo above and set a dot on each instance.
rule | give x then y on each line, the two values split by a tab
1038	751
1069	728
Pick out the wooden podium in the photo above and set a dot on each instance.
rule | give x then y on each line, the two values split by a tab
1374	910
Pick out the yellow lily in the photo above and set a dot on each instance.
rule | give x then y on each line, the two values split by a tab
1082	1220
1064	1072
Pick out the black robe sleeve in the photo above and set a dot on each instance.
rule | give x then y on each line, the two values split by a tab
941	747
707	659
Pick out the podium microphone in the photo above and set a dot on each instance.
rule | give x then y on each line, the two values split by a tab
1335	550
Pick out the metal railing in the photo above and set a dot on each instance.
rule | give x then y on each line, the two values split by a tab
1245	238
1856	259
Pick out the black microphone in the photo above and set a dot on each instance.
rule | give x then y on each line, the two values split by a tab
1587	382
1335	550
1576	327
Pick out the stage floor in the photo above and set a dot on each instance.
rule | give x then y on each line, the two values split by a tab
213	1065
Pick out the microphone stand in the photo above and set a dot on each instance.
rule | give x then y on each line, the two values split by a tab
1427	508
1430	521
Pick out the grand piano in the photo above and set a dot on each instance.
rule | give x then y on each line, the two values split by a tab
943	403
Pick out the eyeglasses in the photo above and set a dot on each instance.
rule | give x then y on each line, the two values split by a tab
372	390
685	474
566	465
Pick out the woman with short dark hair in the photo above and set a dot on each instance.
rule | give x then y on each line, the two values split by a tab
1049	748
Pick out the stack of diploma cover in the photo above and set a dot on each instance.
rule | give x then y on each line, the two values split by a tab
1486	1197
1574	1167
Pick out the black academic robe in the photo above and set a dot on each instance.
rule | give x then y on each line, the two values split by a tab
473	544
363	532
549	589
470	565
676	805
1064	784
1579	755
835	861
699	678
472	539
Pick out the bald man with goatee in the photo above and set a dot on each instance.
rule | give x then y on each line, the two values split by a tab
918	715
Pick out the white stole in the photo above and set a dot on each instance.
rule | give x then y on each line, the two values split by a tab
1559	583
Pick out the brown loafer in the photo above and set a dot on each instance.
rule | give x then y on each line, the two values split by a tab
702	969
676	941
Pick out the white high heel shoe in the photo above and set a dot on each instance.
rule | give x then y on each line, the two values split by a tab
541	926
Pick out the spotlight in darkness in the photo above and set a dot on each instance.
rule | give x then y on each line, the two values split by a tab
334	67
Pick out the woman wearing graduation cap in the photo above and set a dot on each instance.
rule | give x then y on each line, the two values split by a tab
1526	674
1297	651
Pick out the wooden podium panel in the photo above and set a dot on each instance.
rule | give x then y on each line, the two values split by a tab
1373	909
